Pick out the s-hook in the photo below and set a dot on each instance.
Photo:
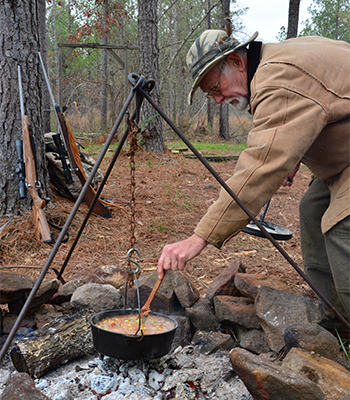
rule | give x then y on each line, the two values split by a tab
137	269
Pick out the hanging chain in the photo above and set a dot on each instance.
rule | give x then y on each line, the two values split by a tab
133	146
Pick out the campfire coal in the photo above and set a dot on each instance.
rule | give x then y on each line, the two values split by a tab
183	374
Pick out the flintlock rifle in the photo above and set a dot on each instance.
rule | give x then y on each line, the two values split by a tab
41	226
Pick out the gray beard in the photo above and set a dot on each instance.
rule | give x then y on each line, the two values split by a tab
242	104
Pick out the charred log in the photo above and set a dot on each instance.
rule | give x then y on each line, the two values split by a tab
58	342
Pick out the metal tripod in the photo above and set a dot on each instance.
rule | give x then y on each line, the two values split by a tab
141	88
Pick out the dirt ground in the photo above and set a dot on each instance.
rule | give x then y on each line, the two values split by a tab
172	193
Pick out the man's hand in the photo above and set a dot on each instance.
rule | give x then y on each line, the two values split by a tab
289	179
175	256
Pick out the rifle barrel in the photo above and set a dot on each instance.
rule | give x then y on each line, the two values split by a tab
20	90
55	105
47	80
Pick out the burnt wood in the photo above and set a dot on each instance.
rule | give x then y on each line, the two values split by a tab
58	342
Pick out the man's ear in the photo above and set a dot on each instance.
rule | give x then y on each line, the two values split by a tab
237	61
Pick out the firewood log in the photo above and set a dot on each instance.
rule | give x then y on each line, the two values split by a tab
56	343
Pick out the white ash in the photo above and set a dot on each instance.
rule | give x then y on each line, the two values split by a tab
182	374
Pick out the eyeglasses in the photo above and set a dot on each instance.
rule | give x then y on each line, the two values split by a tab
215	90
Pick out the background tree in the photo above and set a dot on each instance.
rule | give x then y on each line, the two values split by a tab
224	129
179	24
20	38
85	72
293	18
151	131
43	49
209	103
329	18
104	53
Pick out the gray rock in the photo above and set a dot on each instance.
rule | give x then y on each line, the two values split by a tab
255	341
312	337
224	284
14	286
249	284
330	377
184	290
183	333
276	310
21	386
236	310
64	292
111	275
28	324
202	315
164	301
96	297
211	342
44	294
267	380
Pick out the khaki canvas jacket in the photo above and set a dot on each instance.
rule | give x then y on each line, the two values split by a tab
300	102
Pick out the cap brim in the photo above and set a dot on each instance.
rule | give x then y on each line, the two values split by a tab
212	64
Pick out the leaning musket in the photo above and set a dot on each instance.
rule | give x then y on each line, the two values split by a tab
73	152
41	226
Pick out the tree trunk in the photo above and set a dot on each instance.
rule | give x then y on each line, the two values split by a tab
209	107
103	109
43	49
293	18
55	46
336	27
20	38
152	136
224	130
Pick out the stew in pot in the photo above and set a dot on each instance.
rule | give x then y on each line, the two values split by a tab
129	324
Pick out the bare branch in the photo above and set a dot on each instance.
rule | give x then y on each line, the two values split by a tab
190	33
165	11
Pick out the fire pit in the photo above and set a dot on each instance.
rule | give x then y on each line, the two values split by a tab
130	347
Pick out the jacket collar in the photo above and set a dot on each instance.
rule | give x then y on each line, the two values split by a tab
253	60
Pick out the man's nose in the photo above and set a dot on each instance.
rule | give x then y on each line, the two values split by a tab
218	98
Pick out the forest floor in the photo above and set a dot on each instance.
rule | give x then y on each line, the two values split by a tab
172	194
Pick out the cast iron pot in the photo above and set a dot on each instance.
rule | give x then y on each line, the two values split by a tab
125	347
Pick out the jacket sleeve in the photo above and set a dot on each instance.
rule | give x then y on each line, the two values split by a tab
286	124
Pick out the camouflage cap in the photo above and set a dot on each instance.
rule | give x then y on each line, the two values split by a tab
211	47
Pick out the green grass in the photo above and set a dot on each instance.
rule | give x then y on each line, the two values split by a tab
208	146
346	351
92	148
158	226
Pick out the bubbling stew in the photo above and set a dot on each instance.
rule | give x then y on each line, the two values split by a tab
129	324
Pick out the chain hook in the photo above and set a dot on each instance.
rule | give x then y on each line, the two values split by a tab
137	270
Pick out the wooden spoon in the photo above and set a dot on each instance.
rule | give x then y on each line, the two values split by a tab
146	309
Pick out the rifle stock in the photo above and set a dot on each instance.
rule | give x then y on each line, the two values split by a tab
41	226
